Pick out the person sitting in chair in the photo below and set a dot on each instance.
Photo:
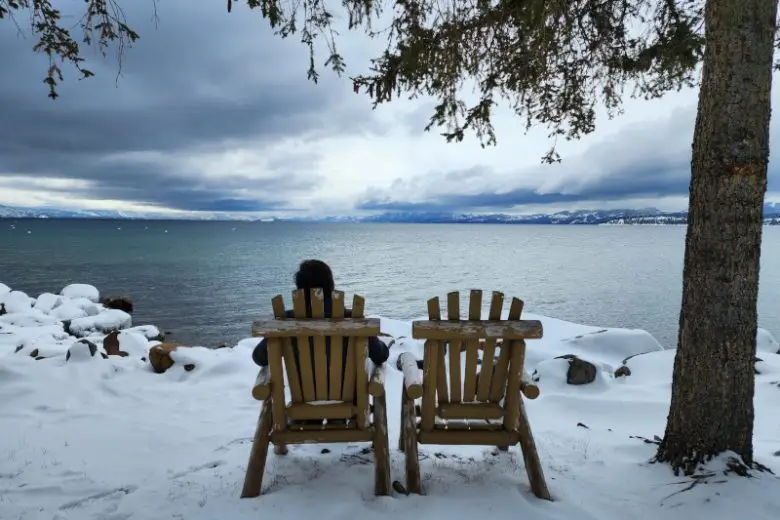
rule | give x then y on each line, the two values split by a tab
316	274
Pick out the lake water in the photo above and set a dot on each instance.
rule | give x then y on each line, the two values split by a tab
205	281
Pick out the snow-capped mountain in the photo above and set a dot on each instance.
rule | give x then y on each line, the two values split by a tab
645	216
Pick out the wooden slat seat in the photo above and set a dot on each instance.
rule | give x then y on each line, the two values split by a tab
465	402
324	361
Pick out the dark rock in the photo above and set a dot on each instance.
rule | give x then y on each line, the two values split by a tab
622	371
189	367
580	372
582	425
92	348
111	345
66	327
20	347
123	303
34	353
2	309
325	451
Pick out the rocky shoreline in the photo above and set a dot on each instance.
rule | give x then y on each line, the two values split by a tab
78	325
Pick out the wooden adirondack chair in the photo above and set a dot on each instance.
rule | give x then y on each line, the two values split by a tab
316	392
475	406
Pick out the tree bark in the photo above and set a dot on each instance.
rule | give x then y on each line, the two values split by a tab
712	394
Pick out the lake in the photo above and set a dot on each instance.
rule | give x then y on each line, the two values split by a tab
205	281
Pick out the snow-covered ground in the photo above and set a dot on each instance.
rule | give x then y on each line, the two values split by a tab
110	439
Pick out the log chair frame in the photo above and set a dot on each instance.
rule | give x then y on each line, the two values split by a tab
313	380
484	407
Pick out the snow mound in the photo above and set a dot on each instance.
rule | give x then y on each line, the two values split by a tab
107	321
46	302
134	343
4	289
81	290
765	342
148	331
16	301
67	311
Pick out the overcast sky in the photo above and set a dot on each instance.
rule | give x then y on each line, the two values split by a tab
212	112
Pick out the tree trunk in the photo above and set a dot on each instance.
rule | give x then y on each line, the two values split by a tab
712	393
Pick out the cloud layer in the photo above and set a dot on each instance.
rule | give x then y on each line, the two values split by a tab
212	112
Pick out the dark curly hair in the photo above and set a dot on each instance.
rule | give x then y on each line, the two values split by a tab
314	274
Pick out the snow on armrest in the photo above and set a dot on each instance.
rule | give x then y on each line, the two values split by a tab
376	383
528	386
262	387
407	364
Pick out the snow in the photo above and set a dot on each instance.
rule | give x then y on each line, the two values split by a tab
106	321
16	301
81	290
109	439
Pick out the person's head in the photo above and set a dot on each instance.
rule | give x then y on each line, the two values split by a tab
314	274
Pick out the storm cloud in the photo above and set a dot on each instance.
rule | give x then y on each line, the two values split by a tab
197	83
213	112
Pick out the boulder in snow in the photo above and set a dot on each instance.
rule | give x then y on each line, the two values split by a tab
580	372
4	289
160	356
125	344
81	290
123	303
622	371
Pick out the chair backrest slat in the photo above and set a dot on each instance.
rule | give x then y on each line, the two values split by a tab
453	314
277	383
320	355
434	313
336	350
359	353
290	365
305	361
498	386
489	351
472	349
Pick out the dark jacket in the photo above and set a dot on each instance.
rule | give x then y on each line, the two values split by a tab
378	352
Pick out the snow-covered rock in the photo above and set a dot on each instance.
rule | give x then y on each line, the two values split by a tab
81	290
81	351
107	321
85	304
47	301
16	301
150	332
68	311
4	289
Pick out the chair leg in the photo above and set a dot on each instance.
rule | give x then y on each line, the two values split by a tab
253	482
381	448
533	466
409	428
